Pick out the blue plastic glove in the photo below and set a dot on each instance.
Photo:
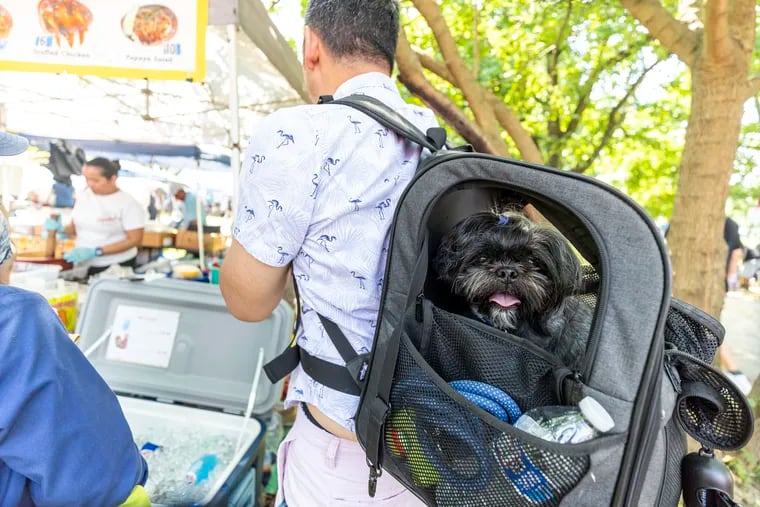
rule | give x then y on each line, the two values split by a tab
78	255
51	224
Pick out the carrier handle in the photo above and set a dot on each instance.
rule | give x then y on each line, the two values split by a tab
434	140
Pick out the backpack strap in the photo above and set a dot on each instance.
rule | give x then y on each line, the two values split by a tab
347	379
433	140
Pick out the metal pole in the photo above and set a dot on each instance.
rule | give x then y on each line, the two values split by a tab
234	116
199	221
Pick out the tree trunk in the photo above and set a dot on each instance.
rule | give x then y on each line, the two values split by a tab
698	250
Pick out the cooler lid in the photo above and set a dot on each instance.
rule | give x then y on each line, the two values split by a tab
175	340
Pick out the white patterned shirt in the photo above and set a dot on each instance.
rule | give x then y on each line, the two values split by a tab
319	185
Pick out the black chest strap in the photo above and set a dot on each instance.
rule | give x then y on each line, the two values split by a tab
347	379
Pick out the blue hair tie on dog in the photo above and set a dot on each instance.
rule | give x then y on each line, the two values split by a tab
503	219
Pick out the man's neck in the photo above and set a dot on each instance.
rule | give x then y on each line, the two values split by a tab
340	73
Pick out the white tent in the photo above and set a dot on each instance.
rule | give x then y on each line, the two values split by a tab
251	71
171	112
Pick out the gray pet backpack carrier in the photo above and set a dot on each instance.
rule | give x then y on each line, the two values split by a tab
646	362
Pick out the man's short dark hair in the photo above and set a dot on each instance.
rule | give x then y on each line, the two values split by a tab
366	29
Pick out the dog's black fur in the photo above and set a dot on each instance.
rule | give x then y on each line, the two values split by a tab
519	277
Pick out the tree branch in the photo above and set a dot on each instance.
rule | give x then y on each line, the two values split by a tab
410	74
475	40
588	84
507	118
717	37
741	19
674	35
471	89
557	46
615	120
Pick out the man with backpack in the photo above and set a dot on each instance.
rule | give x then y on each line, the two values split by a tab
319	185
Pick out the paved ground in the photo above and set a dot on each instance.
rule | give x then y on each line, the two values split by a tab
741	318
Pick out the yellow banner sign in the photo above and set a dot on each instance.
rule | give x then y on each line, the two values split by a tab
105	38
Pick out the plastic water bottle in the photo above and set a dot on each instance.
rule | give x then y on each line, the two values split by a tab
273	438
566	424
200	469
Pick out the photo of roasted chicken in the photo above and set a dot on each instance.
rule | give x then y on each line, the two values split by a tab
64	18
6	23
149	24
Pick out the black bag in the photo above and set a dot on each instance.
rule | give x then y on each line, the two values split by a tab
647	359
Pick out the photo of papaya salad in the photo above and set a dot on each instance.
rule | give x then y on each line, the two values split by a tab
149	25
69	19
6	23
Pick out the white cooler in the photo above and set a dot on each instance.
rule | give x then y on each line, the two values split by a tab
176	357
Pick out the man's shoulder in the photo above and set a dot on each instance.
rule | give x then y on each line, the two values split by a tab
14	297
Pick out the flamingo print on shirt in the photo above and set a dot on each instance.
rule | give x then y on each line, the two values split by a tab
360	278
329	162
249	214
355	202
274	205
309	259
303	276
324	240
315	182
356	124
381	206
256	159
380	134
283	255
286	139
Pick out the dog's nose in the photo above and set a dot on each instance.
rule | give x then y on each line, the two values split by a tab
506	273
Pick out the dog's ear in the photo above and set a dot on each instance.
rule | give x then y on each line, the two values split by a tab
563	266
446	259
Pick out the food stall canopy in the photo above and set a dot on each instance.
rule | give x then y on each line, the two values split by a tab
171	112
175	156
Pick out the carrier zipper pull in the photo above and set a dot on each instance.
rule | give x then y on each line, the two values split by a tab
374	473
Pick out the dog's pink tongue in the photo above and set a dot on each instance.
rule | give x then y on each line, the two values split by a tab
504	299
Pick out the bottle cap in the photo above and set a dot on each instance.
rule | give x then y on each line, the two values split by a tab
596	414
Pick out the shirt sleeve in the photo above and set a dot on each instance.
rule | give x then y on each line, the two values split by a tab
279	183
61	426
134	215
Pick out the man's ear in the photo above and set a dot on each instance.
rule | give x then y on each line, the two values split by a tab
312	48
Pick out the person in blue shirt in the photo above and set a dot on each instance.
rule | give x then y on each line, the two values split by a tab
189	210
64	440
63	191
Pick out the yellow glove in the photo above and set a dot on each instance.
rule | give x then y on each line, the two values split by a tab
138	498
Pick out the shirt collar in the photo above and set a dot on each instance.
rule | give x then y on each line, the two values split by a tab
363	83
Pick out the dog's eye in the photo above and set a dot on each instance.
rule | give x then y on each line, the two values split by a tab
482	259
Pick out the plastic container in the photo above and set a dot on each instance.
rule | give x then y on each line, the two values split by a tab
567	424
204	389
30	274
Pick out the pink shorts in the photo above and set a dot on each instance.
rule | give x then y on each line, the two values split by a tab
316	468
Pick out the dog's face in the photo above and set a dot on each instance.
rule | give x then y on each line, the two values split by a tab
508	269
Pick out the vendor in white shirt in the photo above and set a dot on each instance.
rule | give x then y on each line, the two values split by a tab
108	223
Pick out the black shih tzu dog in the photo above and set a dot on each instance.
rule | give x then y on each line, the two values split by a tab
519	277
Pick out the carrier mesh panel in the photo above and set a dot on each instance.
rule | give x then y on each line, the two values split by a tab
728	427
691	336
589	286
453	454
461	351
